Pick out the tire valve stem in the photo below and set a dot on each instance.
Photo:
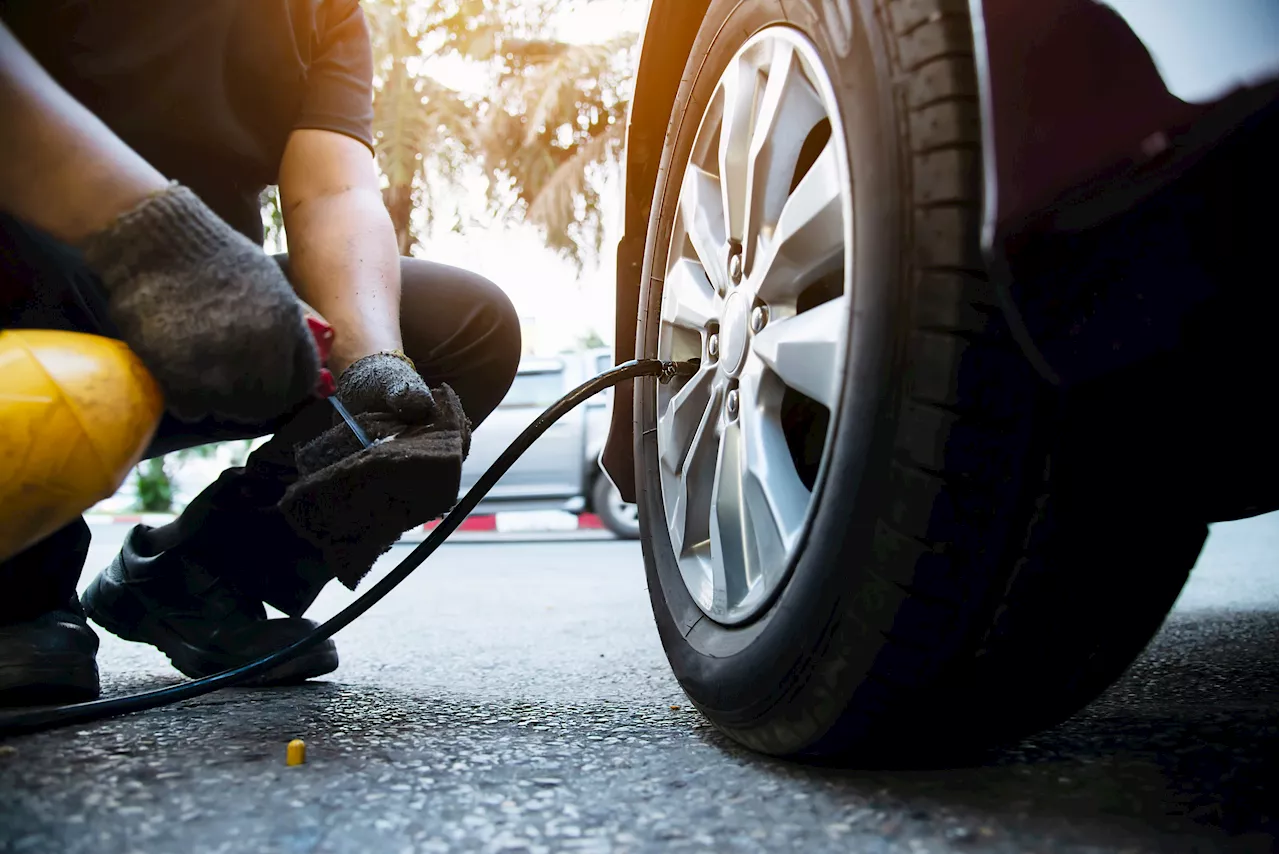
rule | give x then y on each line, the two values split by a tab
671	370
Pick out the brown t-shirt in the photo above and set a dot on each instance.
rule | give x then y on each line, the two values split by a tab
209	90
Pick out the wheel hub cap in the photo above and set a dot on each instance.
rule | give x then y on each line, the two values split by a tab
733	334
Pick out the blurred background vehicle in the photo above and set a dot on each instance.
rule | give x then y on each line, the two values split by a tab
561	471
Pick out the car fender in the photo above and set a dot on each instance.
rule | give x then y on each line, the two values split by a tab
1069	88
668	37
1081	104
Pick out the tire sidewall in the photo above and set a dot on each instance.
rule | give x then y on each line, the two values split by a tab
798	651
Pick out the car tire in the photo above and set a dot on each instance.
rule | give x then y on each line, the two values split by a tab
975	564
616	515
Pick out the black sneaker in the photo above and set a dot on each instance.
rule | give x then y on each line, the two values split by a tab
198	620
49	660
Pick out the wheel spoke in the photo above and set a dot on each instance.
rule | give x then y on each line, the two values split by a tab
810	236
805	350
789	110
740	84
728	521
688	299
774	497
697	476
684	414
702	219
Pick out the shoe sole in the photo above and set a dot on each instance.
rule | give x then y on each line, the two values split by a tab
30	677
115	608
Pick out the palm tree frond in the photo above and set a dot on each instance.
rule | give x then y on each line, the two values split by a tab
553	207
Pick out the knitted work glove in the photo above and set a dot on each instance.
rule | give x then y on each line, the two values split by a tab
209	313
387	384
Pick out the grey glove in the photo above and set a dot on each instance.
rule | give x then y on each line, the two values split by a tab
210	314
385	383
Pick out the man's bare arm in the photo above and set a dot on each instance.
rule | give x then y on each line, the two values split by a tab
61	168
343	256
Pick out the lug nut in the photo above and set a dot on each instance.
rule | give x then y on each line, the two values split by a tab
732	403
759	317
713	346
735	267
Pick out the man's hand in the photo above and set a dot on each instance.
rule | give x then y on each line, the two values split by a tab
387	384
207	311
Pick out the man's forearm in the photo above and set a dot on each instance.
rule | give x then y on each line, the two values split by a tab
61	168
344	261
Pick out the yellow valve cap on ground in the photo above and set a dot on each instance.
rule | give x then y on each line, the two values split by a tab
76	414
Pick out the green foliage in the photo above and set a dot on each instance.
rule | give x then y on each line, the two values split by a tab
559	111
153	477
272	220
552	113
591	340
423	130
155	492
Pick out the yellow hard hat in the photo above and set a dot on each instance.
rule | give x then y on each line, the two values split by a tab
76	414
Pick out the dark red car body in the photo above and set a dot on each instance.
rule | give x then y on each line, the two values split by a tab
1071	97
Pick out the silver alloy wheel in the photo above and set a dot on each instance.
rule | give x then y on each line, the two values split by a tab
754	236
623	512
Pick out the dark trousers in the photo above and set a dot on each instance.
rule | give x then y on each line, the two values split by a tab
458	327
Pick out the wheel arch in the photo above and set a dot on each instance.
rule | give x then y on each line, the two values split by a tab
657	81
669	32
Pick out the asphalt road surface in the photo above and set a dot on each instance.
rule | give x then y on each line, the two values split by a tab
514	697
